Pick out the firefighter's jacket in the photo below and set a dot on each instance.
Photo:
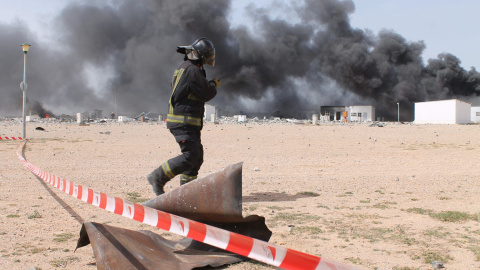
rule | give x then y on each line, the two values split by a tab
190	91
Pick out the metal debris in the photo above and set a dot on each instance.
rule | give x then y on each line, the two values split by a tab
118	248
215	199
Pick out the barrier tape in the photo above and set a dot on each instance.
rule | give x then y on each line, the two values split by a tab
10	138
242	245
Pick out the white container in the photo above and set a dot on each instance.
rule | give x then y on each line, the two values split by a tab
122	119
242	118
79	118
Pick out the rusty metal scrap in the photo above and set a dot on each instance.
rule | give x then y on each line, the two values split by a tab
215	199
118	248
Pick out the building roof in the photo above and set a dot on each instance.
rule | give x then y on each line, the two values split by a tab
443	101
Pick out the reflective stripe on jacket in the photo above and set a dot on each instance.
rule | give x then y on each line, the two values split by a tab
184	119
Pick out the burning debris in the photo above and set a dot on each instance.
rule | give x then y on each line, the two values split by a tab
38	109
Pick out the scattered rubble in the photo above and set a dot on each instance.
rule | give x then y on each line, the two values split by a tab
377	124
5	121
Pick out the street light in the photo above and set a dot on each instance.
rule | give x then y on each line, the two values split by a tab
23	84
398	113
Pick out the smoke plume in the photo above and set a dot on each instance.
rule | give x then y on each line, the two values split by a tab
121	55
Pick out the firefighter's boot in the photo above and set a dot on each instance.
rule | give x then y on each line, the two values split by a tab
184	179
158	179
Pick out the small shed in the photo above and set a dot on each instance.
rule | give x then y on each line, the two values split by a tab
452	111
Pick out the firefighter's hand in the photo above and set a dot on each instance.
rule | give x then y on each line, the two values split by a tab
216	82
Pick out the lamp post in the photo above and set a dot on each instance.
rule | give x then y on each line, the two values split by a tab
398	113
23	84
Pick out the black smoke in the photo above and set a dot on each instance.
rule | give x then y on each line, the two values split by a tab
311	56
38	109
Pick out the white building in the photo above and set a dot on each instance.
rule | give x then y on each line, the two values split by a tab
475	115
32	118
360	113
124	118
210	113
452	111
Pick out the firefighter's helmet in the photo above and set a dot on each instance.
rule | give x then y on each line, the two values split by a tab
202	49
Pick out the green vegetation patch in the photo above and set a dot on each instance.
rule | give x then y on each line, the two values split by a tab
355	260
436	232
323	206
36	250
135	197
454	216
308	194
447	216
476	251
430	256
278	208
290	217
373	235
307	230
62	237
384	205
64	262
34	215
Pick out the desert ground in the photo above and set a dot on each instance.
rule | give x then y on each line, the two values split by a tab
393	197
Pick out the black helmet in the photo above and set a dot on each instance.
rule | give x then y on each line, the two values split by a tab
202	49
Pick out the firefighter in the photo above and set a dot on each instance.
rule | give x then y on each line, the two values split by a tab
190	91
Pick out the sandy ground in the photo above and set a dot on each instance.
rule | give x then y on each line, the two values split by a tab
392	197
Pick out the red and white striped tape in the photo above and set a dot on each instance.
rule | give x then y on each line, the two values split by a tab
249	247
10	138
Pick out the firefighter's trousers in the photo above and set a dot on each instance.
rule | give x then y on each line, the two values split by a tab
189	162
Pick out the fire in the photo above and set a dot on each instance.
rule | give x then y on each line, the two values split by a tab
47	115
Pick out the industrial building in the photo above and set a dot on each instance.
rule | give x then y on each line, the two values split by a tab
452	111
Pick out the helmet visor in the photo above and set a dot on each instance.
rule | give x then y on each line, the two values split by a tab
210	60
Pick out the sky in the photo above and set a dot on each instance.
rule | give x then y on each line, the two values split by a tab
444	25
337	72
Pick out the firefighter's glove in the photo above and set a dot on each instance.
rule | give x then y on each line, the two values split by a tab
216	82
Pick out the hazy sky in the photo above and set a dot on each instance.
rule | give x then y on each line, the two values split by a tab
445	25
